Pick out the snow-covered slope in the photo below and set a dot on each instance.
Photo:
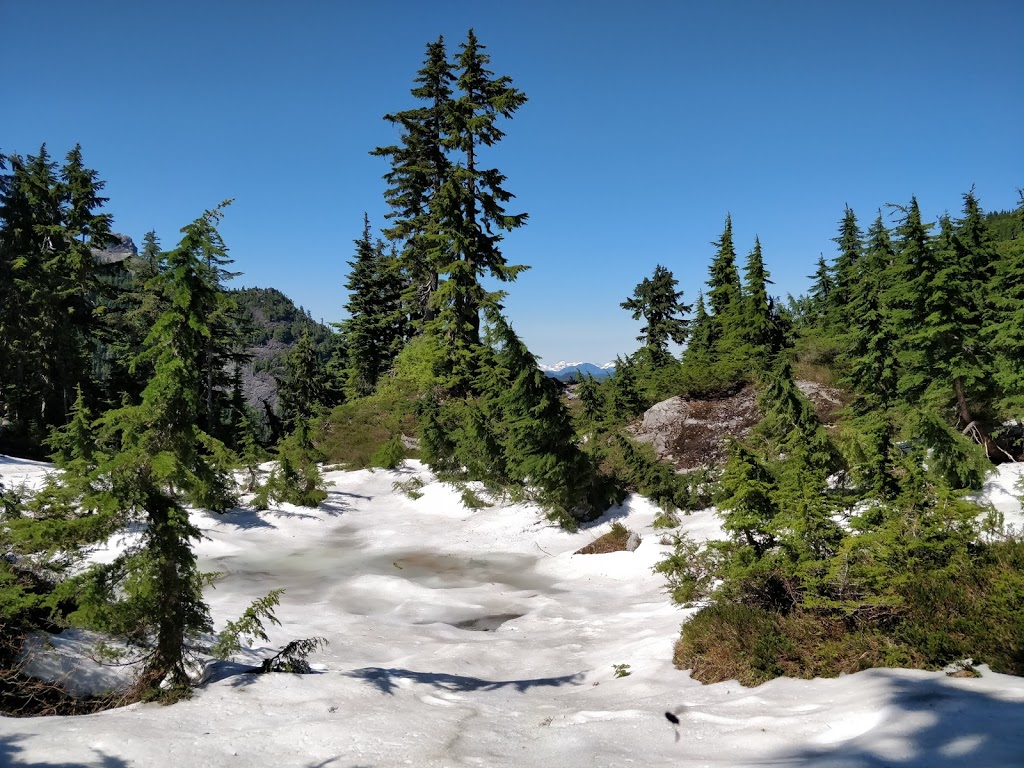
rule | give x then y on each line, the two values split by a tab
398	586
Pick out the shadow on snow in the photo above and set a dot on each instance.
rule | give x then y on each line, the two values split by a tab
385	680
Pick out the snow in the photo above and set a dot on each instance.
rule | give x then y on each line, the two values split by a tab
398	585
561	365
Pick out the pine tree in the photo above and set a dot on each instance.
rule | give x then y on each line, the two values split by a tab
699	352
1005	332
759	330
376	328
724	292
851	247
470	210
49	221
156	459
419	166
657	301
820	298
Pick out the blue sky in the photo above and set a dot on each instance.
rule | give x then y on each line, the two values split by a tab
646	123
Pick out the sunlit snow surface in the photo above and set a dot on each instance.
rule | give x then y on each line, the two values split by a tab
403	588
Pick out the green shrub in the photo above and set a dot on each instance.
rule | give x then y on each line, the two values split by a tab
390	455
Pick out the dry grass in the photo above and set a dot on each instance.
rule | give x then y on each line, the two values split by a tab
613	541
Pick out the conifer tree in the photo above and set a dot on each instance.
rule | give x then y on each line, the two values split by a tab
470	210
820	298
724	290
155	458
1005	333
699	352
304	390
912	271
376	328
538	440
759	330
627	403
49	221
657	301
850	242
419	166
746	499
592	403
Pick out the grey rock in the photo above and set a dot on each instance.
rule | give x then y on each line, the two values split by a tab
633	541
121	248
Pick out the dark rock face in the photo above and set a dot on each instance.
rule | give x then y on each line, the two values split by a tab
120	249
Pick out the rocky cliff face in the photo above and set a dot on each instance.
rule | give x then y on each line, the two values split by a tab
122	248
690	433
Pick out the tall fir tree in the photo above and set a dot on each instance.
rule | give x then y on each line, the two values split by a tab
419	166
470	210
376	327
760	331
155	459
851	248
656	300
724	291
1005	332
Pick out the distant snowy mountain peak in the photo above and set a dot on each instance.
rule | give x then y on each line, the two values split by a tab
573	370
561	365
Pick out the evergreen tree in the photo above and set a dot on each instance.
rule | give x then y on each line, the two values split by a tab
746	499
156	459
699	352
538	440
419	166
592	403
49	221
470	210
657	301
851	247
1006	331
760	331
724	293
820	298
376	328
627	403
304	390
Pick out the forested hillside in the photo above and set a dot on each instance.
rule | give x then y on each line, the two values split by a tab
156	389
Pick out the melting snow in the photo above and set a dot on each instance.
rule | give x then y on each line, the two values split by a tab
476	638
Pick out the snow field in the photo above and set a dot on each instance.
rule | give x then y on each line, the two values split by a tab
398	587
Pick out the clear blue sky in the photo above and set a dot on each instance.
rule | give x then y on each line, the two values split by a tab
646	123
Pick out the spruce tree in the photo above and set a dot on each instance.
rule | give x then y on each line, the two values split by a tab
376	328
49	222
419	166
155	459
1005	332
760	331
851	247
820	298
724	290
470	210
657	301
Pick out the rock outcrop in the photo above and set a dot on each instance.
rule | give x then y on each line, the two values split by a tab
121	248
691	434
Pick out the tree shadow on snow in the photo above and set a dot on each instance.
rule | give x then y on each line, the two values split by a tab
385	680
9	756
947	726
